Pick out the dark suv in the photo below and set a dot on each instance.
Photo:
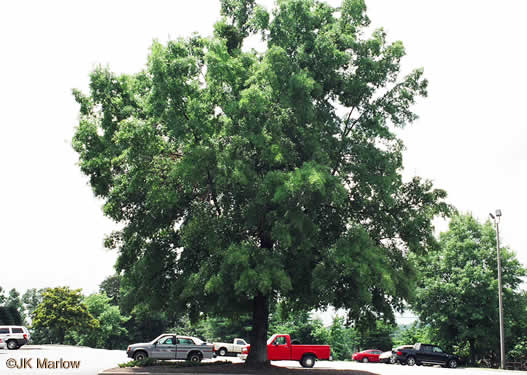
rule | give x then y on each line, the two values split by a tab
426	354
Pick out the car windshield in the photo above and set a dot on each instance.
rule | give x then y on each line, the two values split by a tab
271	339
157	338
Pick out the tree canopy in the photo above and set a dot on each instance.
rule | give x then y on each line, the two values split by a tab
241	177
457	292
62	309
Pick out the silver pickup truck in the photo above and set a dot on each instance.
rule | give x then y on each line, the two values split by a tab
171	346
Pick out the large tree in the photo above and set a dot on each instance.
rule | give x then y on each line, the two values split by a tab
241	177
457	292
60	311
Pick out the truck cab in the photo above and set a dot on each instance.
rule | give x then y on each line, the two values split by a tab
280	348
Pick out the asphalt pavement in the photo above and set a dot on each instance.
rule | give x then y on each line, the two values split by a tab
74	360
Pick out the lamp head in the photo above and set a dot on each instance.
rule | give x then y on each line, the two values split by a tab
498	213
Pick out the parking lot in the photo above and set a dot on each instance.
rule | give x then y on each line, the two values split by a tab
93	361
60	359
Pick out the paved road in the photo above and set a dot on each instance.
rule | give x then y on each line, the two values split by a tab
94	361
91	361
384	369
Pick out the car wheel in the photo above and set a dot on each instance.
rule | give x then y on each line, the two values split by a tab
410	361
140	355
194	358
12	345
452	363
222	352
392	360
308	361
365	360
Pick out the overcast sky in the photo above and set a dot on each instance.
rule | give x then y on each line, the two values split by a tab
470	138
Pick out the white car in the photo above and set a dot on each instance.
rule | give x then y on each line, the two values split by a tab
223	348
391	355
14	336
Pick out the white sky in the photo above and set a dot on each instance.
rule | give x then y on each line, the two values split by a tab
470	138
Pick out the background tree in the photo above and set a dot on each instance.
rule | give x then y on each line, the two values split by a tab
377	336
62	309
457	290
111	286
414	333
111	332
227	329
31	299
241	178
2	296
298	324
14	304
343	340
9	315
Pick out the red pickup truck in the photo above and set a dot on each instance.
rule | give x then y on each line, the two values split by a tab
279	348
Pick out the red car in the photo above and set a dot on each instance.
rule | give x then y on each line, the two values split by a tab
370	355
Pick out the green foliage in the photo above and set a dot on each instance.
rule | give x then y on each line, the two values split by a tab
14	304
111	286
9	315
148	362
223	329
519	351
146	324
110	333
457	292
31	299
414	333
299	325
240	177
140	363
343	340
377	336
62	309
11	308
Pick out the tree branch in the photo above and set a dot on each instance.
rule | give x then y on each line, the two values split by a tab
213	192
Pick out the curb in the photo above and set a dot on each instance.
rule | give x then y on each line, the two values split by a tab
160	373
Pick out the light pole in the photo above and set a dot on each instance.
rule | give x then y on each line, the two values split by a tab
500	299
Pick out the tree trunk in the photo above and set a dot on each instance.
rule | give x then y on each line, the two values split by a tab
60	335
258	352
472	351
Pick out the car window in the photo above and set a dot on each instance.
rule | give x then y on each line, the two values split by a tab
167	341
437	349
4	330
240	342
281	340
17	330
377	352
185	341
